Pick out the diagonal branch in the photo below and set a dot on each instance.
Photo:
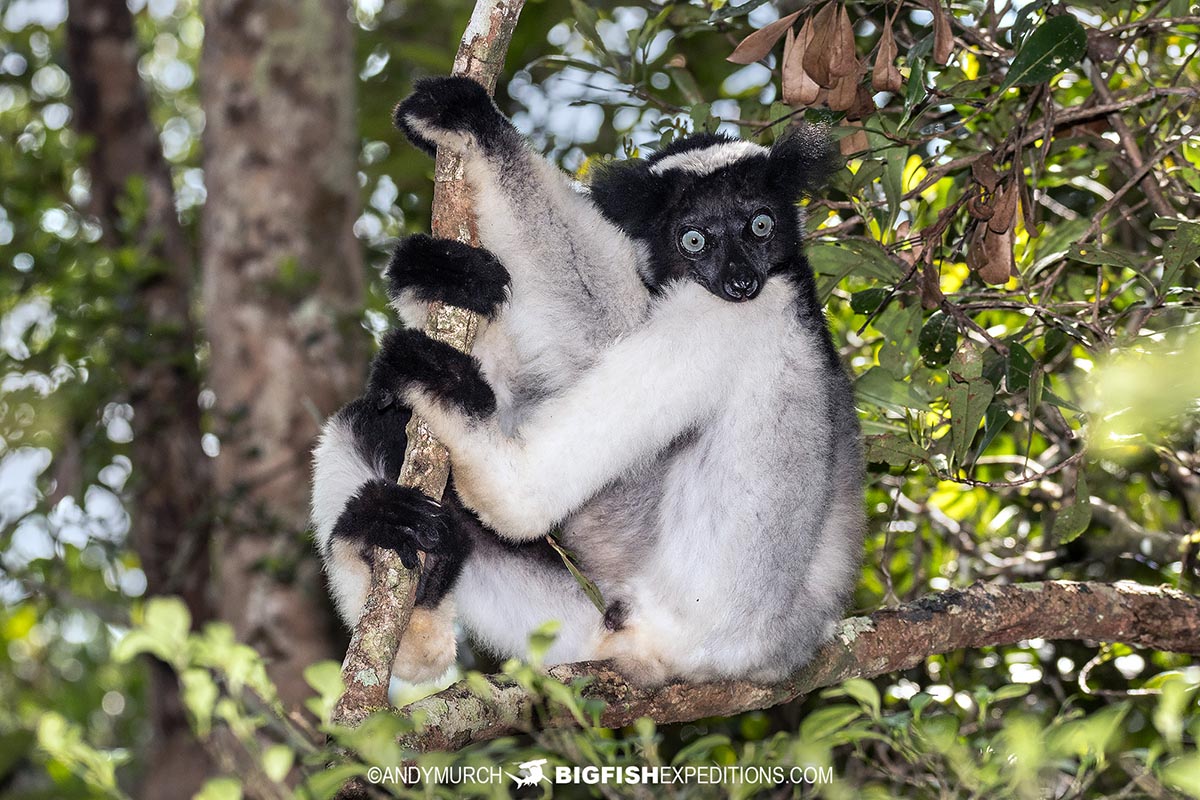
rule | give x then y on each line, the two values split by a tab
368	663
887	641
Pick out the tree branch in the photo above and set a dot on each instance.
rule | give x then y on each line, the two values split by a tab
887	641
368	664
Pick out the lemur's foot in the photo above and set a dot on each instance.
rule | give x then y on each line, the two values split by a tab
424	269
453	112
413	361
400	518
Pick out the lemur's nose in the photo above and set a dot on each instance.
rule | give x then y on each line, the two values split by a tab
742	287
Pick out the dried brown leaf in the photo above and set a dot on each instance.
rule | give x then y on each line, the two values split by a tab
799	90
843	94
931	286
864	103
990	255
818	56
885	77
844	58
757	45
1027	209
943	34
1004	208
983	170
855	142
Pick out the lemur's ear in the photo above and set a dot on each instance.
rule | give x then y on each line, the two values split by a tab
629	194
802	160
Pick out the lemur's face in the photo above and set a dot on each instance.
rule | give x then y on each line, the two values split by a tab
717	210
727	234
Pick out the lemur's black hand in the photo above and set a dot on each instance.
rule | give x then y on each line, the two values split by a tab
451	112
410	359
449	271
385	514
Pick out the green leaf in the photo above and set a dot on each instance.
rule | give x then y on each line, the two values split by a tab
938	339
700	749
866	259
879	387
590	589
1073	519
200	695
325	785
1182	249
969	395
326	678
1056	44
900	326
824	722
892	449
940	731
277	761
1011	691
995	420
220	789
1183	774
864	692
1021	365
1090	254
866	301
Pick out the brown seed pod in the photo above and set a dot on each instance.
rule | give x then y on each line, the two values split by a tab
943	34
885	77
818	56
799	89
757	45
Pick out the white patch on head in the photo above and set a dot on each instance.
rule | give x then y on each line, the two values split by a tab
707	160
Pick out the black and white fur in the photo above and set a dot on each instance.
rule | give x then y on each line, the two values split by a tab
681	419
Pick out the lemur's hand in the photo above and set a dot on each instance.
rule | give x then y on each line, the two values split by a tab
411	361
453	112
400	518
425	269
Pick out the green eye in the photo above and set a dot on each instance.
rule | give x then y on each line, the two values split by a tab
762	225
692	241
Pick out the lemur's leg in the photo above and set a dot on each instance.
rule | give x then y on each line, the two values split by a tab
650	387
424	269
508	590
357	505
575	279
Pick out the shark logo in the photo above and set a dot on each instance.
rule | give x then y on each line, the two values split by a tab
533	774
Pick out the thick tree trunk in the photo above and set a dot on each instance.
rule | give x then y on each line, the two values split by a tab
283	287
172	485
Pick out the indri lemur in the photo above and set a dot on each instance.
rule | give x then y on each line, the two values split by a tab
656	383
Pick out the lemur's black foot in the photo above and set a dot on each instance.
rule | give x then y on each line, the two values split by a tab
411	359
451	112
385	514
442	269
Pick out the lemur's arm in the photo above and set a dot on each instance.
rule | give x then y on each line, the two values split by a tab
575	276
641	393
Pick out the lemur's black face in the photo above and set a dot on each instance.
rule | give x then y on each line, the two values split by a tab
719	211
727	233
